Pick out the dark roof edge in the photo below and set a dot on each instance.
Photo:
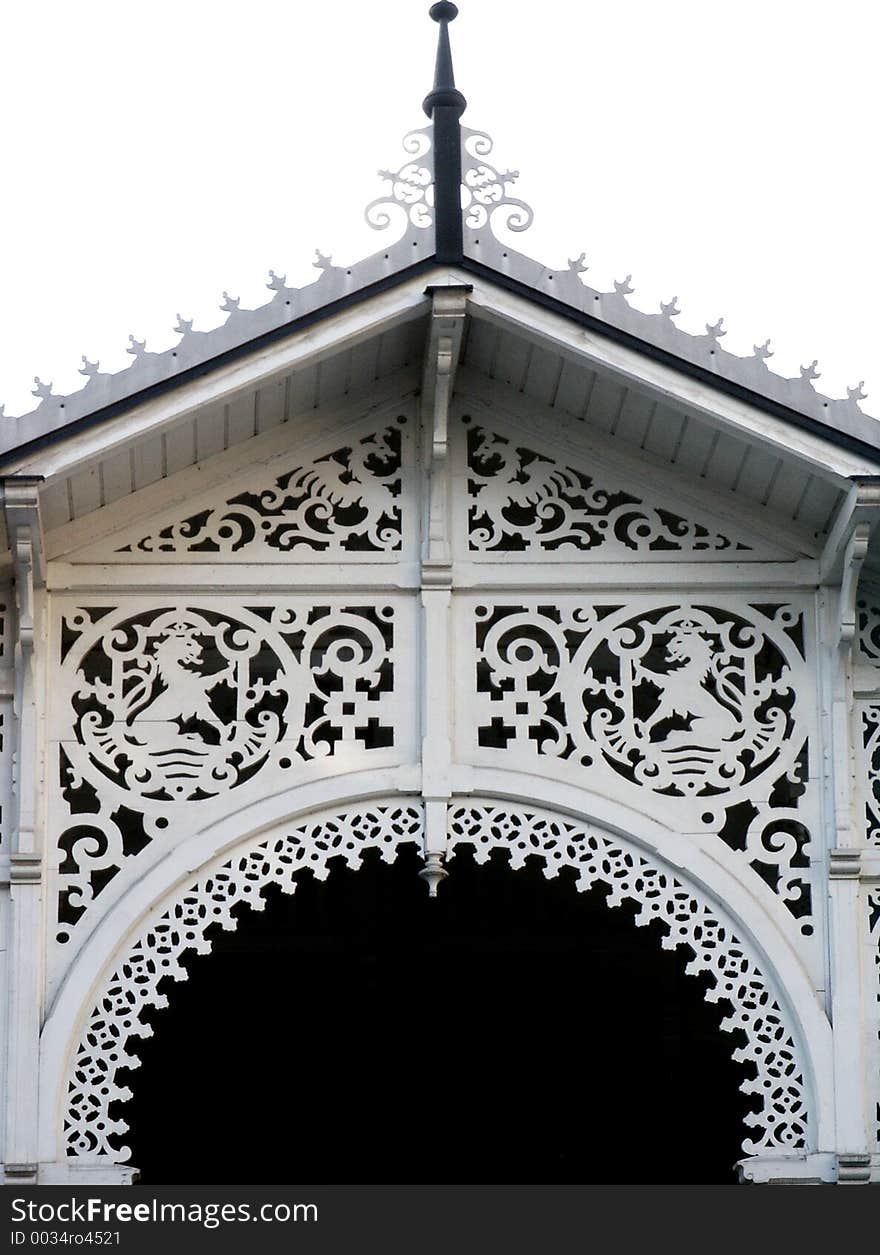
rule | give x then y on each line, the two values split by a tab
729	387
468	265
197	371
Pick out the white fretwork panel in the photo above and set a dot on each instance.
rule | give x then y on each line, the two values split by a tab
7	730
697	712
7	812
173	713
868	714
338	495
525	495
868	640
780	1120
866	731
873	907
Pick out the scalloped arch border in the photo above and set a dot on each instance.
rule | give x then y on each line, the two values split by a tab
777	1042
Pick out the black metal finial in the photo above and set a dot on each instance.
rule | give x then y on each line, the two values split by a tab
444	91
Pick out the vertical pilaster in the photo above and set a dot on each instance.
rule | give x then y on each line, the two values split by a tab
846	907
448	306
25	916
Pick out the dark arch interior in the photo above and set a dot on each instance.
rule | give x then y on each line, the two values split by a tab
511	1031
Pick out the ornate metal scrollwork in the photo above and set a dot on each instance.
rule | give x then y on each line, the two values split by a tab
412	187
485	187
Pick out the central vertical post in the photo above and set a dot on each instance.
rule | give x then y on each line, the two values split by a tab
444	105
442	352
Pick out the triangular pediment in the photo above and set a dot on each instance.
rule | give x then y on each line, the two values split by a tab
338	491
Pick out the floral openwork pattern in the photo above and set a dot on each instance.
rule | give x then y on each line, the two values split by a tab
781	1119
345	502
90	1131
696	704
523	500
174	707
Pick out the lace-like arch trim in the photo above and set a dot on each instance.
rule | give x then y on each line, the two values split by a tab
780	1121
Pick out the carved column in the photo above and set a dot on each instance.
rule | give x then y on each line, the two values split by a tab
26	863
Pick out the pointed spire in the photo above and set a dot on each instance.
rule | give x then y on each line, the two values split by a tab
444	92
444	106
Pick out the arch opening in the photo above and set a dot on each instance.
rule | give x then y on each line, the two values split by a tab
511	1030
763	1034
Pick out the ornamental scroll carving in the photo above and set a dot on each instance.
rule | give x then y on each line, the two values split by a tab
868	622
696	705
522	500
871	740
173	708
344	503
780	1120
873	905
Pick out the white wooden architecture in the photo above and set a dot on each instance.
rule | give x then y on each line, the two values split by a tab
449	549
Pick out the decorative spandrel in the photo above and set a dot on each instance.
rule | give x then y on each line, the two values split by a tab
527	496
698	712
169	709
347	503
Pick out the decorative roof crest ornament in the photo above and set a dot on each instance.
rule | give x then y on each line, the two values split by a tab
444	105
447	197
412	187
485	190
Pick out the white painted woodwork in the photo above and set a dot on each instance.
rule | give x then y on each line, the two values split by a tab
448	569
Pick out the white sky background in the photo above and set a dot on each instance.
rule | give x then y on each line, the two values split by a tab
156	154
